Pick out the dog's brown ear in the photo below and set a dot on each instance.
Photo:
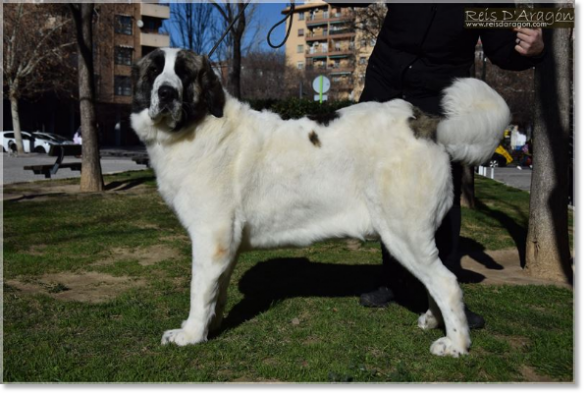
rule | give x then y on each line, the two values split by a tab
212	90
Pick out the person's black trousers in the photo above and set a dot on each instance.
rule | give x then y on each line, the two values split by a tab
406	287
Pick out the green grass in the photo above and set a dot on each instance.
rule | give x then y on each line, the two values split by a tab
292	314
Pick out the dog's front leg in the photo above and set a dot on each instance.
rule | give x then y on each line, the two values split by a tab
213	260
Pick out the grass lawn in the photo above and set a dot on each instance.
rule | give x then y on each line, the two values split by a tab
91	282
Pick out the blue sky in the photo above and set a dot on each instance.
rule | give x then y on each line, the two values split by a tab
271	13
267	15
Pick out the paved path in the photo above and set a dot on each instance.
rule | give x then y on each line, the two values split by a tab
112	162
512	176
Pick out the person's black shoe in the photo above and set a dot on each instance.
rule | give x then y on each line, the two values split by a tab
378	298
475	321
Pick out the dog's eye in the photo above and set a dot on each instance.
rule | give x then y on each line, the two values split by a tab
154	70
183	72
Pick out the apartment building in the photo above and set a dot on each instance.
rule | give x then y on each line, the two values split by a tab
123	33
324	40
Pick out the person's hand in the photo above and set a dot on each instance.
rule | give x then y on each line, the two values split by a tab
529	41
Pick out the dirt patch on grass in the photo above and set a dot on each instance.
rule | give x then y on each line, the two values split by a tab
88	287
530	375
146	256
499	267
48	190
38	249
518	343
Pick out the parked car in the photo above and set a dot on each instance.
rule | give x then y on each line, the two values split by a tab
39	141
53	138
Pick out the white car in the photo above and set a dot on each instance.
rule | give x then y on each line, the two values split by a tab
39	141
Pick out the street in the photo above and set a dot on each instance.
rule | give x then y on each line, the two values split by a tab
13	171
512	176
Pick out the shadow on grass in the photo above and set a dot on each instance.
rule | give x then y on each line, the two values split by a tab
476	251
272	281
125	185
518	233
36	197
275	280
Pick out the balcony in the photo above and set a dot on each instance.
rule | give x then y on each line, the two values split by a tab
329	17
339	33
316	36
155	10
316	52
315	67
156	40
340	52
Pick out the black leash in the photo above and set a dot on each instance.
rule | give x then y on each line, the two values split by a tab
289	14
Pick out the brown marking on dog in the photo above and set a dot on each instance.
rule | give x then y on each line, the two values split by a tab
220	252
423	125
314	138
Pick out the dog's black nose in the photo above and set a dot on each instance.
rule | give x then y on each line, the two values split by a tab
167	94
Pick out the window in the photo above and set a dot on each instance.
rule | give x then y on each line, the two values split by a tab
300	65
302	16
300	49
300	33
122	85
123	24
362	60
123	56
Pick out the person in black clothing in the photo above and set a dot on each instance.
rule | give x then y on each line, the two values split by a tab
420	50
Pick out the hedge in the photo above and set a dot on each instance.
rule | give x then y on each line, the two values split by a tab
297	108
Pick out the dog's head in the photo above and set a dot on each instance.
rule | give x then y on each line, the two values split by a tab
176	88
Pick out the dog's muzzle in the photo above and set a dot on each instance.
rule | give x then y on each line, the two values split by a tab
166	105
167	96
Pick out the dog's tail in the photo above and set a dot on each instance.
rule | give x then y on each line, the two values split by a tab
474	121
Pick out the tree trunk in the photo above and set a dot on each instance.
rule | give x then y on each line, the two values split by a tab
467	195
234	75
547	247
16	123
237	33
91	174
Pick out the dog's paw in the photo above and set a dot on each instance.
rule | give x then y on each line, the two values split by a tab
428	321
445	347
180	337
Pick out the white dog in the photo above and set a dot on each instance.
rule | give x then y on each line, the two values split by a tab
241	179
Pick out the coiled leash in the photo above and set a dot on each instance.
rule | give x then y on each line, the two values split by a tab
289	14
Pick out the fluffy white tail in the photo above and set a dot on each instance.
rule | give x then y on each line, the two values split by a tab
475	120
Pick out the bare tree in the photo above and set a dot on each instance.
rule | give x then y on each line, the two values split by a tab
91	175
517	88
263	75
547	248
34	46
369	20
229	12
194	26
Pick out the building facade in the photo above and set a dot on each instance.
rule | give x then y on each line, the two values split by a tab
125	33
325	40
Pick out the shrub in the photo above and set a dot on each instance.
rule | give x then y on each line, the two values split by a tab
296	108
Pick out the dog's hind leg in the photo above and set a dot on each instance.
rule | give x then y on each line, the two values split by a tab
432	318
419	255
213	261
